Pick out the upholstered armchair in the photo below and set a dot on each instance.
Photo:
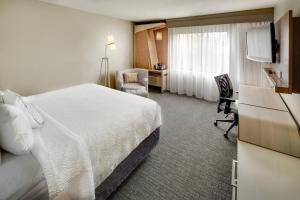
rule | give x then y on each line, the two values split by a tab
139	88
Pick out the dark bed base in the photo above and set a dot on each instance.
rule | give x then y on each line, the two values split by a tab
124	169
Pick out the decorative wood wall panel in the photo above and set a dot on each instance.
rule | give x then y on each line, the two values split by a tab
162	46
147	50
141	50
153	60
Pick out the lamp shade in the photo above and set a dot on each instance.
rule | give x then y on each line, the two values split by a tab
110	39
159	36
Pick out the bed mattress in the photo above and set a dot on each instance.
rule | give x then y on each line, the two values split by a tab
19	175
122	120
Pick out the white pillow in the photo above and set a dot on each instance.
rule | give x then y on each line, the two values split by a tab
34	117
15	131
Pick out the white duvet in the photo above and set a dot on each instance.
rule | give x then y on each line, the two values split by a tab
104	124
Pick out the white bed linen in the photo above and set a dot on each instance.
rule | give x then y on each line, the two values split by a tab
111	123
65	161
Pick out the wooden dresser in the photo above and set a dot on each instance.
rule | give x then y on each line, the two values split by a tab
263	174
268	160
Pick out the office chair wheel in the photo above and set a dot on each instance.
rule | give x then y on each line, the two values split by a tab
216	123
226	135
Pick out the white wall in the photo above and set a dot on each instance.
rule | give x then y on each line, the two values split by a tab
283	6
292	100
45	47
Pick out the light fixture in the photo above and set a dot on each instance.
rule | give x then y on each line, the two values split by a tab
110	43
110	39
112	46
104	62
159	36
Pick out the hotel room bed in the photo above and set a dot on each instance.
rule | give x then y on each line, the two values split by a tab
84	110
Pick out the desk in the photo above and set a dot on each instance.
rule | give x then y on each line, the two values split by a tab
261	97
158	78
266	175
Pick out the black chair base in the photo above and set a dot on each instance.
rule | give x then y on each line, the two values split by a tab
234	122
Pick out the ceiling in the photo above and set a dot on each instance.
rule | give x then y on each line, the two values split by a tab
147	10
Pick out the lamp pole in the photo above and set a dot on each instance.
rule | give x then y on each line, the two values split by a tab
105	66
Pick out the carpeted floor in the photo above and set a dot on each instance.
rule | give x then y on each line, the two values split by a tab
192	160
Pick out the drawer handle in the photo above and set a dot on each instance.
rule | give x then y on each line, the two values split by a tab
234	180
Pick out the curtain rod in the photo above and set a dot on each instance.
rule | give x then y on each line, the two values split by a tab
257	15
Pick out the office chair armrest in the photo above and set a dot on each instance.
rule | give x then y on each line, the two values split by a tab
223	99
228	102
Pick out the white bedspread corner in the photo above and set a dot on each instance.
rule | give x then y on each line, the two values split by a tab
65	161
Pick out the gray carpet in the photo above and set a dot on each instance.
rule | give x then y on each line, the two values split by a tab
192	160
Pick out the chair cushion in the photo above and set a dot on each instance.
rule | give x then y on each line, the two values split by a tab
130	77
135	88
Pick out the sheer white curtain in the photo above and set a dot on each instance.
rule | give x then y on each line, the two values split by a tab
198	53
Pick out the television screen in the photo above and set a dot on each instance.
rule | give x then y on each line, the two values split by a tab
261	44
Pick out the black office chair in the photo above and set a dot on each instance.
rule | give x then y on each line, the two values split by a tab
226	103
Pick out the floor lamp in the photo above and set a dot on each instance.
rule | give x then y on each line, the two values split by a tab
105	62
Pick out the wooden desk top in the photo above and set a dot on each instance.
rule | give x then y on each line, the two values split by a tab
269	128
261	97
162	71
264	174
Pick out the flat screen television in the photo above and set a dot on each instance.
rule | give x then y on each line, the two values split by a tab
261	44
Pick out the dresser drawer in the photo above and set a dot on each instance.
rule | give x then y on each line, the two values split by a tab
155	81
